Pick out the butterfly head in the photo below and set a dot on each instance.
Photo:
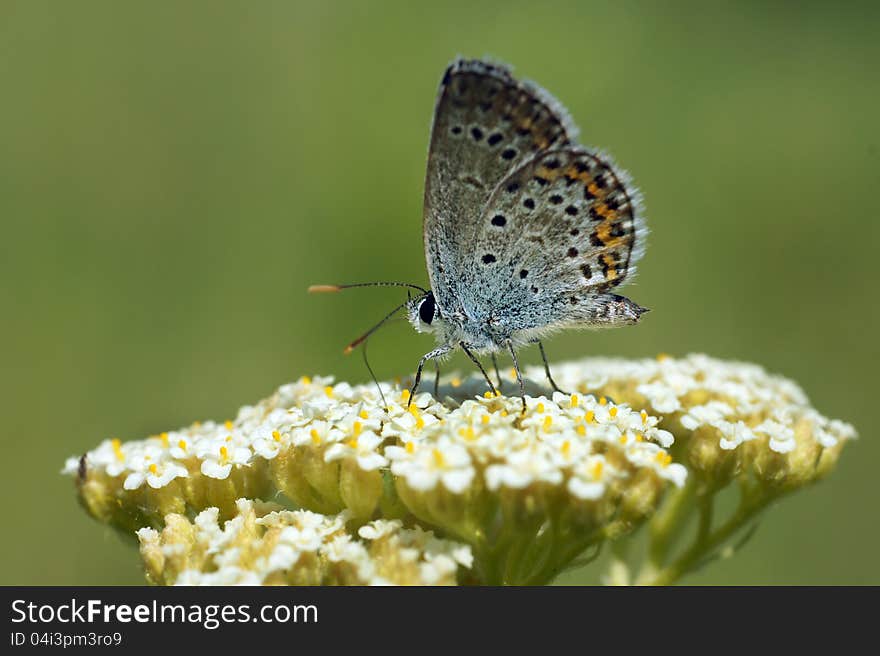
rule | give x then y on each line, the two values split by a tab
423	313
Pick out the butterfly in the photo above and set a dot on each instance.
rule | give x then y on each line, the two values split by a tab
526	232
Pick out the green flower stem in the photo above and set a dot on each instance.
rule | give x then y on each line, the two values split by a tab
618	573
668	524
563	556
752	502
706	506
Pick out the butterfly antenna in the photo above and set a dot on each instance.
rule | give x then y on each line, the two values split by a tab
363	338
324	289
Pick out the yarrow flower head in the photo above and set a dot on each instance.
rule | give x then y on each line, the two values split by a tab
730	419
263	544
524	492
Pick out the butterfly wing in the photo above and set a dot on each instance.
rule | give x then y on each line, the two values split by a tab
486	124
556	235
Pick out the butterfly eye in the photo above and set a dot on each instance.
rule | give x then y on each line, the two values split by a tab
426	309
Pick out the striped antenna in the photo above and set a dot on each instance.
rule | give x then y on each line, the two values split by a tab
323	289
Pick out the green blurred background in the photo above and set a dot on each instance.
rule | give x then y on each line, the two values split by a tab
173	176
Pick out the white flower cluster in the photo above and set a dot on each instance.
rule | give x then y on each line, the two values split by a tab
741	401
558	441
563	440
527	491
264	544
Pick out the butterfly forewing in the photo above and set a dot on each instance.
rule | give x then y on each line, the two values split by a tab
486	125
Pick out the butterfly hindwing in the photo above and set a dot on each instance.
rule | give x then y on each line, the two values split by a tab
557	234
486	124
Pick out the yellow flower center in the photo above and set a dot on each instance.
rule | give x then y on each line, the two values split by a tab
598	466
353	443
316	437
566	448
363	414
603	400
227	424
575	400
164	438
276	436
410	447
663	458
539	408
612	412
117	449
581	430
439	459
153	468
590	417
455	382
329	391
224	455
404	395
548	422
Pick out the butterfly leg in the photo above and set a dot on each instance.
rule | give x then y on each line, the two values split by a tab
547	370
519	378
436	380
479	366
497	372
373	376
436	353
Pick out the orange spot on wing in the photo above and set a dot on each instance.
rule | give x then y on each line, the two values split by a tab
550	174
585	177
611	270
605	212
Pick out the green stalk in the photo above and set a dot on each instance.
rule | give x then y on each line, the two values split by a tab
706	540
